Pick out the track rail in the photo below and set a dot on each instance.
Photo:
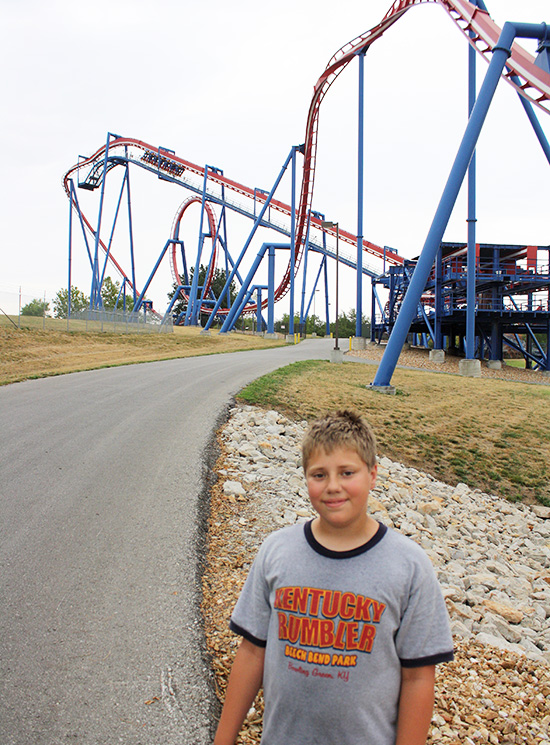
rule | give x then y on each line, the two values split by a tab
530	81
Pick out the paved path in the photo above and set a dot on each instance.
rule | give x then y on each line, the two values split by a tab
101	487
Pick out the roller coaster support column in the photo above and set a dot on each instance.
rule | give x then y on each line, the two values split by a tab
337	354
69	282
304	312
327	328
292	242
259	319
360	185
372	311
438	308
193	304
95	293
131	237
314	290
271	291
244	293
246	245
501	52
471	252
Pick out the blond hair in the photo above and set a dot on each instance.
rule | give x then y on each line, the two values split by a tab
340	429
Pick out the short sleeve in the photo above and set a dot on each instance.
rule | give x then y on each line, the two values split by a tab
424	635
252	613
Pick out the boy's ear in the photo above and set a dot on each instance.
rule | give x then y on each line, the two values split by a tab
374	474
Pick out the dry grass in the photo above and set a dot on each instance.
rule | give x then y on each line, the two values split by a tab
34	353
490	434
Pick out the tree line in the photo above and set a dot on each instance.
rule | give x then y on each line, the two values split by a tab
79	301
110	291
314	325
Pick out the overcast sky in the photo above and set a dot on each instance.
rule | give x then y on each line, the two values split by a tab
229	84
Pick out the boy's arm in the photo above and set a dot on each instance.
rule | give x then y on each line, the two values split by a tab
416	702
244	682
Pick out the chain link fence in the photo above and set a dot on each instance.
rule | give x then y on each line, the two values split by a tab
15	307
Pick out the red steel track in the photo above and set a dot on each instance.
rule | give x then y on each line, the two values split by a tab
533	83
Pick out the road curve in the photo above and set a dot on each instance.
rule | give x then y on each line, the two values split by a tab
102	479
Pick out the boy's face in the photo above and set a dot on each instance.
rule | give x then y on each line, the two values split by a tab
339	484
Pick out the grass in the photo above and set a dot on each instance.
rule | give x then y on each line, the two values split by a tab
516	363
489	434
31	352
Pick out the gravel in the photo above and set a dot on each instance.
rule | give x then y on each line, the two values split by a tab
418	358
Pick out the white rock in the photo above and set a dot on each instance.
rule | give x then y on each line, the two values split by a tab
234	488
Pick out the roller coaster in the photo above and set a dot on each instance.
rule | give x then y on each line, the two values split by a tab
468	291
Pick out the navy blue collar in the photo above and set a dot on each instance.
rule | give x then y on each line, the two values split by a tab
320	549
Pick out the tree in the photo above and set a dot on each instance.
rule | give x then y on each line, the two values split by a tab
109	295
79	302
346	325
36	307
216	286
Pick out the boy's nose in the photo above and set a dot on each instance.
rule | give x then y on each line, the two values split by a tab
333	483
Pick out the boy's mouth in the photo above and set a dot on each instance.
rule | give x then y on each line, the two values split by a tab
336	502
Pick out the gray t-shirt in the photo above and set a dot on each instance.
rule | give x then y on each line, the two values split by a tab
338	627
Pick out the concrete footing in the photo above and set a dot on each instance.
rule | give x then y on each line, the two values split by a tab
437	355
205	332
470	368
358	343
336	355
290	338
546	373
494	364
271	336
389	390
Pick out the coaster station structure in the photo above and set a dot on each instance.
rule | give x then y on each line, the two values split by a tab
512	302
305	230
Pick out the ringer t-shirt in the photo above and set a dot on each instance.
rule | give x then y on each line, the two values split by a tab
337	628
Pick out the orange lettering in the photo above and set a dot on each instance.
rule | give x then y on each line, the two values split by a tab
293	629
362	608
286	600
326	629
347	605
367	638
340	632
352	632
316	596
278	598
283	629
331	604
309	635
378	608
301	595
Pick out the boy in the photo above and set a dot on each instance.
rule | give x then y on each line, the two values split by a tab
341	618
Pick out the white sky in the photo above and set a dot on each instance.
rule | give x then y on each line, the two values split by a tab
229	84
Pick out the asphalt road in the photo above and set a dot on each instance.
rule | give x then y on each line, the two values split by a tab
102	500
